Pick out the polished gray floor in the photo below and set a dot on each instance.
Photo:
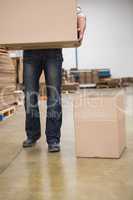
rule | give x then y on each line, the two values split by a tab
34	174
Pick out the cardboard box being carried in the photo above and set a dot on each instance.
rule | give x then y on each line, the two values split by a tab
100	123
38	24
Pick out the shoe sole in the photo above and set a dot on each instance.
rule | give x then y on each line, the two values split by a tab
53	150
29	146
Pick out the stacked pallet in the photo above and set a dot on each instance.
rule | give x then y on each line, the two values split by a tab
85	76
7	81
70	87
100	75
81	76
66	76
109	83
126	81
102	78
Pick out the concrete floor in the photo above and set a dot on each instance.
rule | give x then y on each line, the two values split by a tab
33	174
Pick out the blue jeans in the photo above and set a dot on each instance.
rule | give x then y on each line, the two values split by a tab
49	61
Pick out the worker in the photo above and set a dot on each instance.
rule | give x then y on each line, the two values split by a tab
49	61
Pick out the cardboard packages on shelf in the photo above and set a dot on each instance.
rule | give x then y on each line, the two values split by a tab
18	64
7	81
38	24
100	123
85	76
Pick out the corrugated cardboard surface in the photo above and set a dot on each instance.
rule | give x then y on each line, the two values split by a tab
38	24
7	81
100	124
18	64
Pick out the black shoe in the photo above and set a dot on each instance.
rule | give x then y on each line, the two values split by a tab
54	147
29	143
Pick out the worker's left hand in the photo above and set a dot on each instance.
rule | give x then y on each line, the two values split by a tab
81	26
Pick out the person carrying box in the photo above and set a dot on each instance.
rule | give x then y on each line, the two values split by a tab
34	62
49	60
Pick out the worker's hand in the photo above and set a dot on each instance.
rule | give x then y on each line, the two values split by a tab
81	26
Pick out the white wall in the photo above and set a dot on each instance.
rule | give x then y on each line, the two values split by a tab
109	37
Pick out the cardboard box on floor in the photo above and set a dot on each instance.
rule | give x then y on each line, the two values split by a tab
38	24
100	123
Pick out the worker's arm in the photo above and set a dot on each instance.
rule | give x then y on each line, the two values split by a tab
81	23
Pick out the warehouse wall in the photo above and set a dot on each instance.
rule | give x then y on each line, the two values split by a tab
109	37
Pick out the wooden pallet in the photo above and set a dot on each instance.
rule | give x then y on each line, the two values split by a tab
68	91
114	83
6	113
100	86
